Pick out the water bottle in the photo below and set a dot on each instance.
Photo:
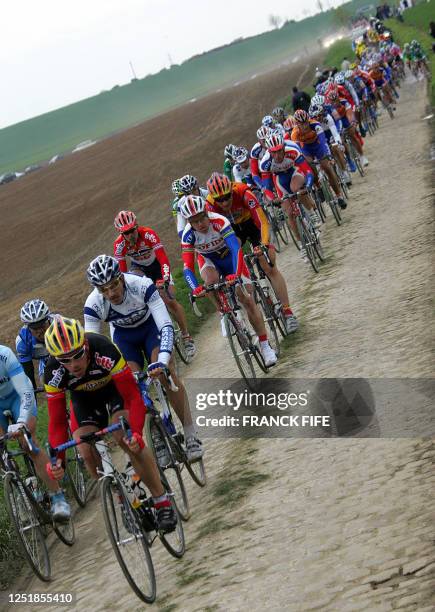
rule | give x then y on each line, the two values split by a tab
105	458
160	447
128	476
32	484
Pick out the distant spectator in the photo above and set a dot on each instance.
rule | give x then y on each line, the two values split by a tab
432	29
300	100
345	64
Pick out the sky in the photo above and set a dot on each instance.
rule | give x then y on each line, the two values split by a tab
55	52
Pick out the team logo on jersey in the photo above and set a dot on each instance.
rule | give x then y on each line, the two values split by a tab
104	361
57	376
4	380
252	203
150	237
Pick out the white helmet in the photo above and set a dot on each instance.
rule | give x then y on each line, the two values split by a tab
268	121
241	155
275	141
263	132
229	151
34	311
191	205
339	78
188	183
102	270
317	100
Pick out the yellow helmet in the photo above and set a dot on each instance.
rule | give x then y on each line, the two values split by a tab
64	336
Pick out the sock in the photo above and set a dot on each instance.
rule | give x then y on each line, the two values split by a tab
158	501
263	338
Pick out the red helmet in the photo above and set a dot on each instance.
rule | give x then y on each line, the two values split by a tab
219	185
301	116
289	123
125	220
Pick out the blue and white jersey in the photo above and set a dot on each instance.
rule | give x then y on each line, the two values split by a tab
28	348
330	128
257	151
293	155
141	301
13	383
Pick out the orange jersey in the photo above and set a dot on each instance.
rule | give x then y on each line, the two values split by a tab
306	135
244	206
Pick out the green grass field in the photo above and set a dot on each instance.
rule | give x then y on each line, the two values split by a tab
44	136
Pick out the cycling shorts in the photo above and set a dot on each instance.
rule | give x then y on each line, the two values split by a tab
96	407
380	82
224	267
345	123
247	231
282	182
316	150
137	342
12	402
153	271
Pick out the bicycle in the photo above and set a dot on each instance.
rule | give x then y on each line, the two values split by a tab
328	196
265	294
166	442
178	336
130	522
28	505
277	222
352	152
310	238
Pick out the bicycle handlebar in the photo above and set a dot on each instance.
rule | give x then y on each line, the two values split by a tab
89	437
148	380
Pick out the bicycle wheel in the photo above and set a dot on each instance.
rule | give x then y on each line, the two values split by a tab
355	157
281	226
307	244
196	470
179	345
65	532
25	519
240	347
276	307
75	470
293	234
336	211
174	541
128	540
269	320
319	205
390	110
155	431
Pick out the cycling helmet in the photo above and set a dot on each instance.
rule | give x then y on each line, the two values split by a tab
64	336
301	116
289	123
191	205
275	141
219	185
268	121
34	311
229	150
102	270
125	220
339	78
176	189
317	100
241	155
188	183
262	132
278	113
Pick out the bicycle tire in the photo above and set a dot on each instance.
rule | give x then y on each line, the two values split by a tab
168	539
197	472
319	205
232	330
269	320
306	243
179	345
65	531
76	478
336	212
127	521
171	473
281	226
14	490
293	235
355	157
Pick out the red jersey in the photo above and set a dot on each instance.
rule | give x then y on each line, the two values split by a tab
144	252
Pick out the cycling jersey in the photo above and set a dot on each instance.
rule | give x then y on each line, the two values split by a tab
339	111
144	252
330	128
311	139
29	348
378	75
243	175
293	161
244	206
16	391
218	245
141	306
108	379
257	152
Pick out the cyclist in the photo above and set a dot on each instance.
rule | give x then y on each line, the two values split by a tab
279	115
239	205
378	74
229	160
257	152
319	113
30	340
177	193
341	110
309	135
101	385
219	254
285	169
188	184
140	327
270	122
242	169
16	395
149	258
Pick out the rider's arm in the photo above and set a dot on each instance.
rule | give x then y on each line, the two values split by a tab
333	129
93	312
160	253
22	386
24	354
188	257
57	416
161	318
233	244
119	253
228	169
127	388
353	93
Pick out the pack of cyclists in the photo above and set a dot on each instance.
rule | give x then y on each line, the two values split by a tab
133	290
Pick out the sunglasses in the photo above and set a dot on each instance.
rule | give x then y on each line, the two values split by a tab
75	357
109	287
223	198
38	325
129	232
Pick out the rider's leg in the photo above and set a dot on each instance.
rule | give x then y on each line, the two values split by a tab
333	179
41	459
